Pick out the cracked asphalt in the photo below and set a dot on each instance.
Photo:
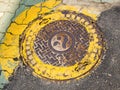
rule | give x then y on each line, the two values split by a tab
105	77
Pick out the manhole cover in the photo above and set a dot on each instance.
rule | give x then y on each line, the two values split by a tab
62	45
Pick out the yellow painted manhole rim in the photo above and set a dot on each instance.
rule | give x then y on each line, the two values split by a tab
62	45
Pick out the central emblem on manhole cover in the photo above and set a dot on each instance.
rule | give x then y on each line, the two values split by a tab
61	41
62	45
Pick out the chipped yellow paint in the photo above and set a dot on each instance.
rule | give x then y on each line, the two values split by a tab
9	51
81	9
54	72
10	47
51	3
11	39
68	7
39	9
16	29
88	13
8	64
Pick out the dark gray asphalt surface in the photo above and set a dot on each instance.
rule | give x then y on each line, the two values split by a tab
105	77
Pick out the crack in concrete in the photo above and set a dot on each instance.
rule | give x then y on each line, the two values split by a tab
4	57
8	45
10	22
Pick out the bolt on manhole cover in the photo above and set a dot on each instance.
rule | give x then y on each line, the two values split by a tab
62	45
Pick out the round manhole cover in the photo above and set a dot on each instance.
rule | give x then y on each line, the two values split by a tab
62	45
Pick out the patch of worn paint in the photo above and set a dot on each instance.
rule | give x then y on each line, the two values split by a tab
9	46
8	64
3	79
8	10
26	4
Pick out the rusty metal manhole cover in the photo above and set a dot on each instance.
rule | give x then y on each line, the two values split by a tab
62	45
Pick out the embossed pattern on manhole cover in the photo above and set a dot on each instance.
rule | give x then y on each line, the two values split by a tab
62	43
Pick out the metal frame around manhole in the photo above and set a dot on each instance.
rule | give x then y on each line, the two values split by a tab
80	69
